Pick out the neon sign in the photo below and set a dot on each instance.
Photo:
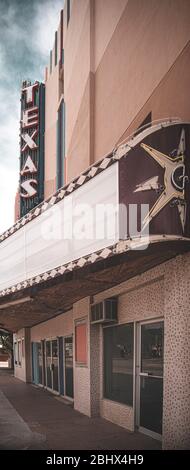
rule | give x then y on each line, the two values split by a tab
31	152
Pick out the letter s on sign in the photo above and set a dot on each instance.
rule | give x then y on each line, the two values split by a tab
27	186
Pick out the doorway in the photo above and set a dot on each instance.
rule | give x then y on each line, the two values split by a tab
37	363
150	354
52	365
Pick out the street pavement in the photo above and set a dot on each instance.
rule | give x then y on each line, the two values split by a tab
32	418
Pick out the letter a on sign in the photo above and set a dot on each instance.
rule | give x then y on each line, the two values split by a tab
28	167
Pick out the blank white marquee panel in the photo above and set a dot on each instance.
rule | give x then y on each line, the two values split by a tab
52	238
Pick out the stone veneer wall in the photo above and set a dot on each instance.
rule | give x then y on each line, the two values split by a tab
117	413
82	400
95	368
162	292
176	413
23	371
62	325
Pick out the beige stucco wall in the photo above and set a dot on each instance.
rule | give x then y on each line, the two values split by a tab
62	325
114	77
107	14
146	42
80	148
23	371
51	104
78	87
52	99
165	102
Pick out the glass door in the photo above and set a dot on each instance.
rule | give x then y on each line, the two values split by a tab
69	367
37	363
150	378
52	365
55	367
40	363
48	365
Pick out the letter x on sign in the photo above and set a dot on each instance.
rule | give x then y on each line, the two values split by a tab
29	142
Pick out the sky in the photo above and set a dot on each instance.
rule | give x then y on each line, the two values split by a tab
27	30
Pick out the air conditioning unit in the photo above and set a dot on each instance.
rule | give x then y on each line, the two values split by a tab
104	312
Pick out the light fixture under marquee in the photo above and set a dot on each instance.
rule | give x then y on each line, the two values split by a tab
16	302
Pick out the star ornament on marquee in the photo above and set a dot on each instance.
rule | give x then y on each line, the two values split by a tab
174	181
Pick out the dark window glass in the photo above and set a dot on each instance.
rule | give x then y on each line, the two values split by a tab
151	403
48	365
19	352
68	10
40	363
69	367
62	56
118	363
15	353
152	348
56	48
60	146
50	56
55	365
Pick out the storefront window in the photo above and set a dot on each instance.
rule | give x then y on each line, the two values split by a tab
118	363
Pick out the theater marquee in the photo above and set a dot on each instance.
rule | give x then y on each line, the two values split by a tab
138	197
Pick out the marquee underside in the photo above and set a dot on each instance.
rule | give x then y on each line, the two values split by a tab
52	297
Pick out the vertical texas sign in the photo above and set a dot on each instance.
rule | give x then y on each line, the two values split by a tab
32	145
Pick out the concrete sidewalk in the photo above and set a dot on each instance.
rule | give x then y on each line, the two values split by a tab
31	418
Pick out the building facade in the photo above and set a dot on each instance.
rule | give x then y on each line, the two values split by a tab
101	322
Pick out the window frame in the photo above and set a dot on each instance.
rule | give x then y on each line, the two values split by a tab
105	327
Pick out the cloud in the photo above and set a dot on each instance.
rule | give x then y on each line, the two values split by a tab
26	36
8	185
45	23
